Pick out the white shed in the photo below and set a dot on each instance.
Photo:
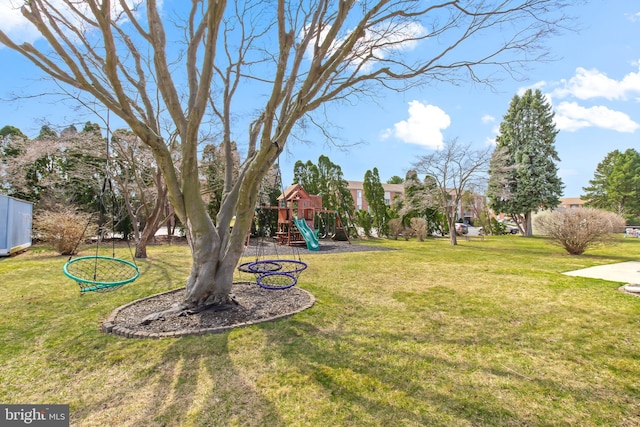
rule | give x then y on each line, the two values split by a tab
15	225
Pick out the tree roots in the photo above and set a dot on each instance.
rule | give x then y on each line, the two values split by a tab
186	309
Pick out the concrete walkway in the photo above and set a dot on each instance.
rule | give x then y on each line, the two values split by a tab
625	272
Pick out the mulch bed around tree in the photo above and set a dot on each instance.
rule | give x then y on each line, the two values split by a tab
254	304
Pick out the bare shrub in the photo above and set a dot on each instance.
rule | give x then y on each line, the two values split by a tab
407	233
395	228
578	229
61	227
419	227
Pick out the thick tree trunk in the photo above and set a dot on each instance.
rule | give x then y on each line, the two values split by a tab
527	224
209	283
141	245
215	249
141	249
453	238
211	275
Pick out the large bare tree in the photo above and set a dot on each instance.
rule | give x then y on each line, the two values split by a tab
454	170
139	181
183	62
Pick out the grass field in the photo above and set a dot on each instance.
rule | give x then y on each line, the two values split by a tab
488	333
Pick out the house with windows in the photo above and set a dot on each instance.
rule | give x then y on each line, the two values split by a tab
571	203
356	188
468	208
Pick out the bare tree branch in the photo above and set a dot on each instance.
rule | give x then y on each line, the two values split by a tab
295	58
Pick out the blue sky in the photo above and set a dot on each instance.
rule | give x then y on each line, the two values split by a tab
594	87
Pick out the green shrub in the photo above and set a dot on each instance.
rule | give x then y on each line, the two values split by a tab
497	228
364	221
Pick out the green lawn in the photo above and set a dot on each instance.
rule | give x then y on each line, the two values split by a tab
488	333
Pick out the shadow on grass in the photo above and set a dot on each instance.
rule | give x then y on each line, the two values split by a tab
355	365
368	377
52	351
185	381
449	370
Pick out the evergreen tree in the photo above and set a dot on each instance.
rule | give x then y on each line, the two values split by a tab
308	175
7	135
420	202
326	179
374	193
616	185
524	174
11	139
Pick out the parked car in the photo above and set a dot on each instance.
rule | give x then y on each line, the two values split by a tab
512	229
461	228
509	228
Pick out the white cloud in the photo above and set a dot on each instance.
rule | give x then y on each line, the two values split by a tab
377	43
487	118
570	117
20	30
423	127
490	141
539	85
14	24
588	84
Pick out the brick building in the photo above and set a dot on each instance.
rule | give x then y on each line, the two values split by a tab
357	192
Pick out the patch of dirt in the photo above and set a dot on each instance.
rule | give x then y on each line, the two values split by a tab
254	303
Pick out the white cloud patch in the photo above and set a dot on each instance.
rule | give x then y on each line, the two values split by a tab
14	24
20	30
570	117
490	141
539	85
377	44
589	84
423	127
487	118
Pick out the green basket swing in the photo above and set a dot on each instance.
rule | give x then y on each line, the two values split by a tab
101	273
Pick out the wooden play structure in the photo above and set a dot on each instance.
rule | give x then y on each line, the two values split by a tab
297	211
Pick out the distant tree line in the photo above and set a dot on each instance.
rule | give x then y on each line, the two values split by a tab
73	174
517	177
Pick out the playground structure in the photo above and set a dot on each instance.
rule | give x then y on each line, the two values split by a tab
297	211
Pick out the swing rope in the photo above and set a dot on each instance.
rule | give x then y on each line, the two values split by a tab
275	273
98	272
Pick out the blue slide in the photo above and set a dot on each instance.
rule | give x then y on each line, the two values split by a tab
308	234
